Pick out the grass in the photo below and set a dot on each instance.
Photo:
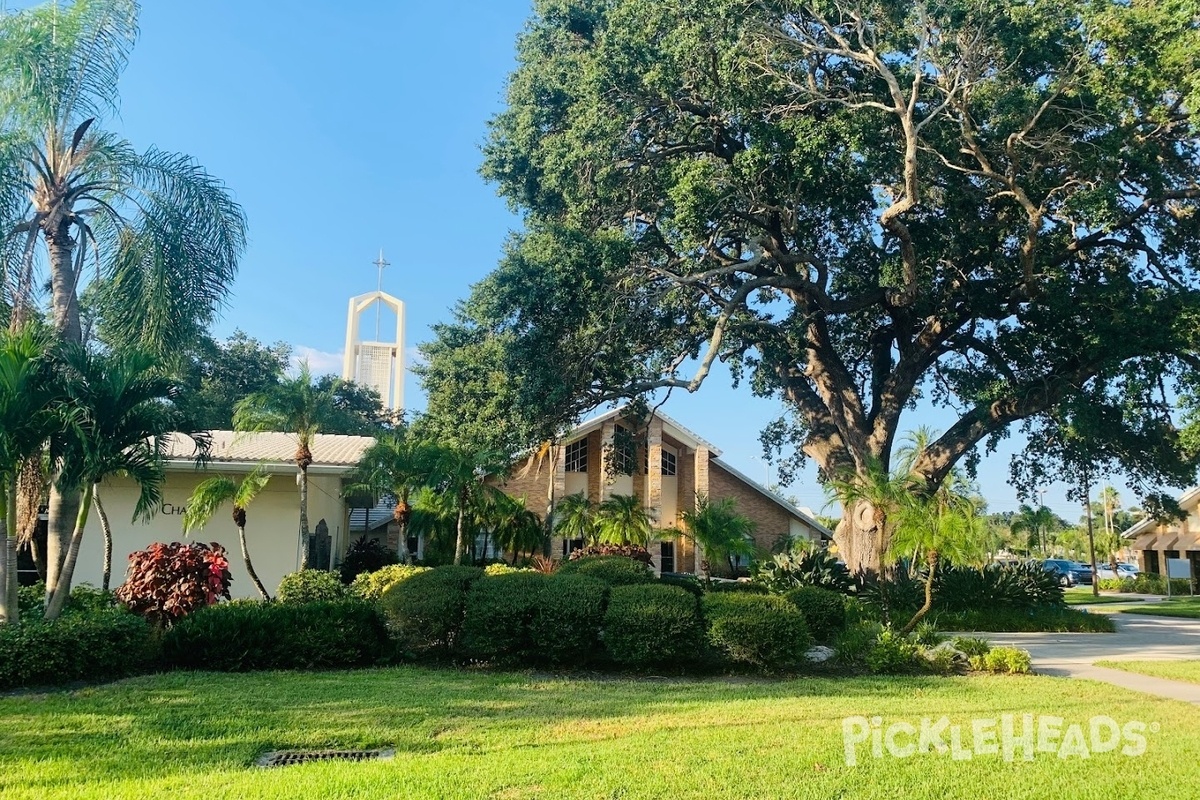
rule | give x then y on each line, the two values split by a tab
467	734
1077	598
1186	607
1188	671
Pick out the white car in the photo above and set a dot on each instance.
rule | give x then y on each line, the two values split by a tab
1105	571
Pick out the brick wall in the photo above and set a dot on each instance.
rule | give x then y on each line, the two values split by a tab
770	519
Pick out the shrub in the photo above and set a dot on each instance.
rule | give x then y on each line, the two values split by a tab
613	570
97	646
504	569
1068	620
497	617
31	600
972	645
689	583
634	551
886	600
823	610
425	612
311	586
892	654
1022	585
764	631
371	585
250	635
1145	583
566	628
813	566
744	587
166	582
944	659
366	555
854	643
1005	660
926	634
652	625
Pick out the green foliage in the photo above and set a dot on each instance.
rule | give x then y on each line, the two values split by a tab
745	587
96	645
575	518
219	374
498	616
249	635
893	654
1146	583
372	585
1065	620
613	570
425	612
311	586
925	633
813	566
688	583
972	645
622	519
652	625
566	629
723	533
1021	585
760	630
1004	660
365	555
854	643
824	611
503	569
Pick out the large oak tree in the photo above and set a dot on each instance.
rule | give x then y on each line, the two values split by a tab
857	206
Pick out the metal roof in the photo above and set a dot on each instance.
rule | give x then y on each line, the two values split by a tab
330	450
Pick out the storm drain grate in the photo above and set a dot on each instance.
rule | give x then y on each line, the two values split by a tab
285	758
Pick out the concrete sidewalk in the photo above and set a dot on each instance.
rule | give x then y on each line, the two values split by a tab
1138	638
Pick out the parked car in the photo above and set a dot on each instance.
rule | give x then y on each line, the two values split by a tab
1082	573
1063	569
1105	571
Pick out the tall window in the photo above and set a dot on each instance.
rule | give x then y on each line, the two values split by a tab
624	452
669	463
666	556
576	456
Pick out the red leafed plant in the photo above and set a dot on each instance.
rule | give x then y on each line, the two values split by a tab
168	581
636	552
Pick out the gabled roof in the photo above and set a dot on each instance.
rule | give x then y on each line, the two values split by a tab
228	447
1187	500
678	431
777	498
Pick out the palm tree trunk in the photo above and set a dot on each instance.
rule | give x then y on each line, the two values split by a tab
64	509
250	567
932	561
461	541
108	542
8	556
304	534
56	601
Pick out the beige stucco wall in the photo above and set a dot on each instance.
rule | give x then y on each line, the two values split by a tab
272	526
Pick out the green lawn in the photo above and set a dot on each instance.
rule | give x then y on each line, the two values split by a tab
1171	670
1187	607
1086	598
461	734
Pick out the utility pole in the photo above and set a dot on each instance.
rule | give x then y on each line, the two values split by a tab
1087	510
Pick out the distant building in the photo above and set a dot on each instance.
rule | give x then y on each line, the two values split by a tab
375	363
1155	541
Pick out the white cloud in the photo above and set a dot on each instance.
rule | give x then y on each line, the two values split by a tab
319	361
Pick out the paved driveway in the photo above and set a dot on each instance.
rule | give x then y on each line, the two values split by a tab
1137	638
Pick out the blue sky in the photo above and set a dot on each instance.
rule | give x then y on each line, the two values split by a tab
343	128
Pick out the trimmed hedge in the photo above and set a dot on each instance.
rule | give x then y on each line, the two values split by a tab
249	635
737	587
689	583
425	612
566	629
96	646
311	586
371	585
763	631
613	570
652	625
1069	620
824	610
1146	583
497	617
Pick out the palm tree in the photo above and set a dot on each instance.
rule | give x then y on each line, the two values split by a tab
877	493
297	407
716	527
399	463
460	474
1035	524
576	518
125	416
622	519
165	235
214	493
30	412
517	530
